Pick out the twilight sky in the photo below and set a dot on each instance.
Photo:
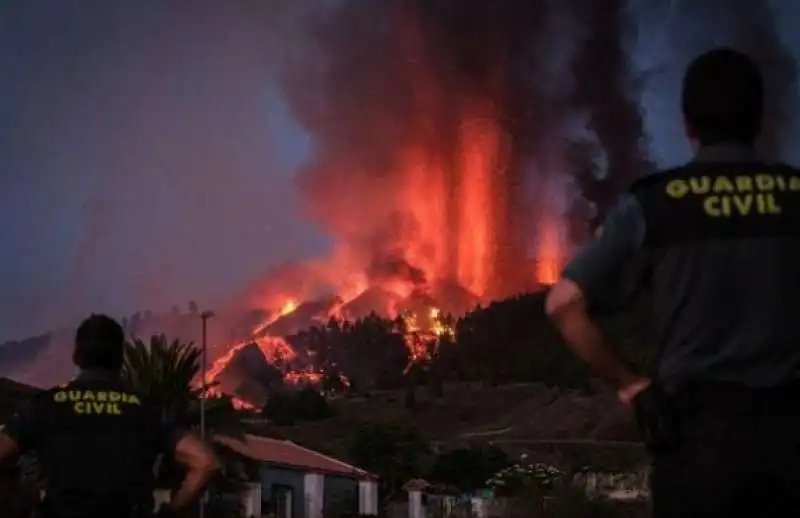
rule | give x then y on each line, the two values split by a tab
146	155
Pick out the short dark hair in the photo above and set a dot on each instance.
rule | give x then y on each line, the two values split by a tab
99	344
723	97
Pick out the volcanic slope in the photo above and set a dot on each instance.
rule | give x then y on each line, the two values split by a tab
549	423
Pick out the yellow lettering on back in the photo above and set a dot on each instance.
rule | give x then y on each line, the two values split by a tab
88	395
700	185
114	396
133	399
722	184
711	206
765	182
60	396
772	205
744	183
677	188
74	395
79	407
794	183
743	203
102	395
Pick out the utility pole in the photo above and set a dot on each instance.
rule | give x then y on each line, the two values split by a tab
204	316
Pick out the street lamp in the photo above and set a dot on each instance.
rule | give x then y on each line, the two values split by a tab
204	316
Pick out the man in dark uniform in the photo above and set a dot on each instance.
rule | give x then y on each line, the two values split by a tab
97	440
717	243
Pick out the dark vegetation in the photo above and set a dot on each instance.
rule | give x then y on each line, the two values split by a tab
501	385
506	342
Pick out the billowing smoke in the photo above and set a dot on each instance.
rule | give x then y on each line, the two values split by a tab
606	93
446	130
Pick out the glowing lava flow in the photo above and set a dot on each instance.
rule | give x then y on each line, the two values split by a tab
274	349
419	338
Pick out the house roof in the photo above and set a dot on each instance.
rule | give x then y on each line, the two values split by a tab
290	455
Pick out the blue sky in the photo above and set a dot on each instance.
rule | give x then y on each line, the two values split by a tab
146	156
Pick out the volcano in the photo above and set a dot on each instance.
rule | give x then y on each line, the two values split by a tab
443	167
435	193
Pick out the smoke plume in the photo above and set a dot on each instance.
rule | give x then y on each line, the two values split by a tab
446	130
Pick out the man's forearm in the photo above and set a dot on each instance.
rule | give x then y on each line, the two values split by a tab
584	338
190	489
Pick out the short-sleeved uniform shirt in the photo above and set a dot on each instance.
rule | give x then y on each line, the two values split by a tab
97	442
717	242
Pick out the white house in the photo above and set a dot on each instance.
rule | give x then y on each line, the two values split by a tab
297	482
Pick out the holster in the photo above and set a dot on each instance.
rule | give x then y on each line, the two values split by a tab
657	419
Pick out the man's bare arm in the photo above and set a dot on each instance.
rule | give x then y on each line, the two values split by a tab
566	307
603	275
9	448
201	464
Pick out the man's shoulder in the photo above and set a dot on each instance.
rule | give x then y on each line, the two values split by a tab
784	168
48	394
657	177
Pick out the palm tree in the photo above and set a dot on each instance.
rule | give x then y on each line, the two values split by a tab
165	372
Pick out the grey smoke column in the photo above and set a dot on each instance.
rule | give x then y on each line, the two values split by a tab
604	88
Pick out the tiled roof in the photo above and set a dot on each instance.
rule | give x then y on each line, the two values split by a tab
291	455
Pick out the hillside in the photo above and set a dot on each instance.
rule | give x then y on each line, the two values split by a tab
548	423
13	397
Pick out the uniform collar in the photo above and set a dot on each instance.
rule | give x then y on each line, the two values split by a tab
726	153
98	375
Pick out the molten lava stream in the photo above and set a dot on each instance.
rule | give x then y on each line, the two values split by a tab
272	348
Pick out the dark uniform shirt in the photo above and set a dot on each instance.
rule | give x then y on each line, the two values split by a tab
97	443
716	241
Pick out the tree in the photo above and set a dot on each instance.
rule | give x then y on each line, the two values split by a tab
193	309
164	373
392	451
287	406
468	468
370	351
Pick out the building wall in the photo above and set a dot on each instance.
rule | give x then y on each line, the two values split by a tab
284	477
340	491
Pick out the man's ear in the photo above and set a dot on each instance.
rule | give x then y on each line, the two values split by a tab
691	135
